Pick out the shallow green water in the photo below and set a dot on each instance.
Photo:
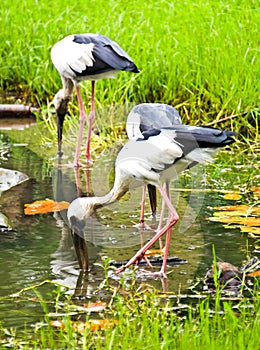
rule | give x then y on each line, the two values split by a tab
40	247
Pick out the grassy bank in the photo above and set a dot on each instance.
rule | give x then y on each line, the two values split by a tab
142	319
198	56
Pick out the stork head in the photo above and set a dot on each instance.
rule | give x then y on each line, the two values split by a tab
79	210
61	103
61	106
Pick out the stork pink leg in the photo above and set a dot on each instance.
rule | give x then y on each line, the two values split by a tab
162	272
82	122
167	189
142	225
161	223
91	118
172	219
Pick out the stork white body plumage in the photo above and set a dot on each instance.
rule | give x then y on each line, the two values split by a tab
85	57
158	155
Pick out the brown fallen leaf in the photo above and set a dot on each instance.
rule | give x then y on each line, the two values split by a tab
44	206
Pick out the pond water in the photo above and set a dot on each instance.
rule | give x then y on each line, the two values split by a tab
40	247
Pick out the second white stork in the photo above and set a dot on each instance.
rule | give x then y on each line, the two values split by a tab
158	155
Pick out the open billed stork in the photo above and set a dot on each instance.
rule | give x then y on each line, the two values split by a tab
144	117
80	57
157	155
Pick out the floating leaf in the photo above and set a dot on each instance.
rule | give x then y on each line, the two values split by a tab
154	252
239	215
254	274
246	209
248	221
230	213
95	307
232	196
44	206
254	230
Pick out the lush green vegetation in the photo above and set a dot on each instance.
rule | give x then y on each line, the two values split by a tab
138	317
200	56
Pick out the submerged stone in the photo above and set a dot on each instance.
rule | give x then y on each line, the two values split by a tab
10	178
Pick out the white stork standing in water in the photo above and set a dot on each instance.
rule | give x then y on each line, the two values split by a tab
80	57
156	156
144	117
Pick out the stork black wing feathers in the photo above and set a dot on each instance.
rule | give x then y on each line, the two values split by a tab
110	57
192	137
107	54
203	136
149	133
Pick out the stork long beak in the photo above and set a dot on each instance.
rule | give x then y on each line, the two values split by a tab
81	249
60	121
152	197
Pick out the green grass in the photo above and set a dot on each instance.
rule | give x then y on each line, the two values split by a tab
200	56
146	319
